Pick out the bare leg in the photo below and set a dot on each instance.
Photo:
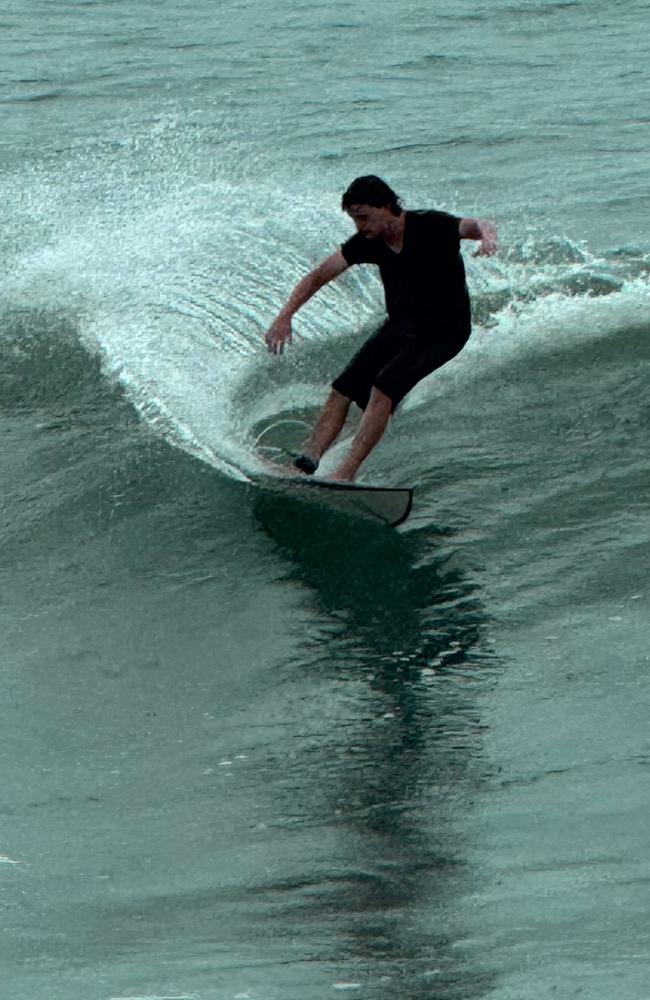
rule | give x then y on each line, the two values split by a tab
373	424
328	426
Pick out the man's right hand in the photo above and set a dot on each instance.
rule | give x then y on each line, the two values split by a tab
278	334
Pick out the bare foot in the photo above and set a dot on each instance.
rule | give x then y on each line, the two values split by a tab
341	476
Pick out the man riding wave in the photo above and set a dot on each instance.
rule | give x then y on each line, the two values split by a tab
427	304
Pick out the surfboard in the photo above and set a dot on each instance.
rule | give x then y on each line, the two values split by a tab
386	504
276	445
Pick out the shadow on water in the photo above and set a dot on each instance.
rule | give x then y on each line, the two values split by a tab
397	632
385	599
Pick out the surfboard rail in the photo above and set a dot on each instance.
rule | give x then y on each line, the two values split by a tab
388	504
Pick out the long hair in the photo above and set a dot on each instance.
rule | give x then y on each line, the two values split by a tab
371	190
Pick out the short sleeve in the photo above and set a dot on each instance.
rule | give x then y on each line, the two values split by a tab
358	250
446	225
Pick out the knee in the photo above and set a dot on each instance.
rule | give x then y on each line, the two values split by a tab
380	402
337	397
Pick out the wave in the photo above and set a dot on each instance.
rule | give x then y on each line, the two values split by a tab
158	270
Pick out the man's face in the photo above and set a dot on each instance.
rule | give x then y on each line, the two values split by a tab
370	221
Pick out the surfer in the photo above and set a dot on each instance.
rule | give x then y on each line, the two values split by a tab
428	307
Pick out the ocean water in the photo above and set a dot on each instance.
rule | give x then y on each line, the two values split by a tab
250	750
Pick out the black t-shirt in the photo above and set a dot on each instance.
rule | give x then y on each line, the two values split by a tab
425	282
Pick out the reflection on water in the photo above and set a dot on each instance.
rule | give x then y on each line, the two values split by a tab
394	638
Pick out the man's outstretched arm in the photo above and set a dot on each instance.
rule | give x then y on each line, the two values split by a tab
280	330
479	229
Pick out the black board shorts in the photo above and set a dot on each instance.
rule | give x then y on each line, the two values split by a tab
395	358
